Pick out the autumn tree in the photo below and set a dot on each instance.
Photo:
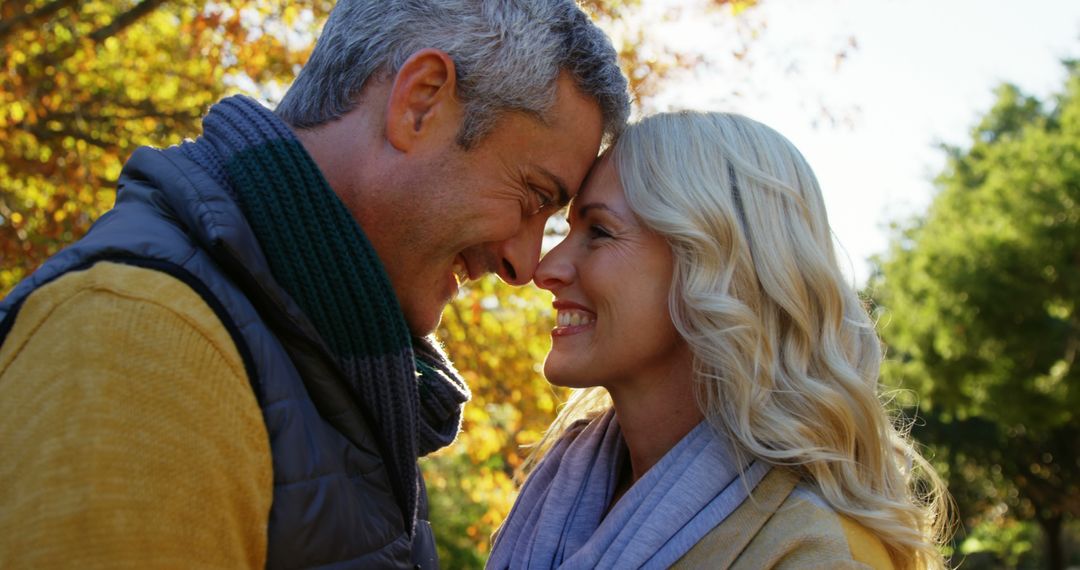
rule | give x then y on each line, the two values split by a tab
85	82
981	301
498	337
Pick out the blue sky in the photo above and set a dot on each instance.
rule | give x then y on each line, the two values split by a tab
921	72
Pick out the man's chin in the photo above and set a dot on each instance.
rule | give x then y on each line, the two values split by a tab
424	323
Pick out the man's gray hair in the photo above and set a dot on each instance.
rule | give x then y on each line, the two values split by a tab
508	55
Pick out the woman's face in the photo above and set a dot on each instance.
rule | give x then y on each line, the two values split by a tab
610	277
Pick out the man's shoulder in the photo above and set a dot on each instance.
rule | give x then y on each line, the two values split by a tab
125	411
109	300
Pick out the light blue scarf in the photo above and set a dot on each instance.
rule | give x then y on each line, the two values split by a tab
558	519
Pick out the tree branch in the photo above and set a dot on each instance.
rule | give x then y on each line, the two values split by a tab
125	111
45	134
41	14
101	34
126	19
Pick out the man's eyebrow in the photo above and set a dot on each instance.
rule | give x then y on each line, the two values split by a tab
564	195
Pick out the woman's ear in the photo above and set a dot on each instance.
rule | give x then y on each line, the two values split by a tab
423	100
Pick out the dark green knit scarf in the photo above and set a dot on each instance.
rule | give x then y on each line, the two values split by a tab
321	257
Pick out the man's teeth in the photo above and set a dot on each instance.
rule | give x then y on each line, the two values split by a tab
461	273
574	318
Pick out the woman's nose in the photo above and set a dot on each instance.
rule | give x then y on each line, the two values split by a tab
556	269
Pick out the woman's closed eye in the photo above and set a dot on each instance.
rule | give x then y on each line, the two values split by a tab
597	231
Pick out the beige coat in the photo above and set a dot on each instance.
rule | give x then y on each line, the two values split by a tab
786	525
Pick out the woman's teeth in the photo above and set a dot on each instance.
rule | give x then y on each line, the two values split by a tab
574	318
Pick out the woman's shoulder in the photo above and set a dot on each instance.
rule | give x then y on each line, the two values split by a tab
787	524
818	535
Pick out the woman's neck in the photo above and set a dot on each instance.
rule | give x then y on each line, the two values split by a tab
654	415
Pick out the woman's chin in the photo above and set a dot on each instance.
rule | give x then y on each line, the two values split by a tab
561	373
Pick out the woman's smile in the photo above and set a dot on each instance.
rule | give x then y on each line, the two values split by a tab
611	277
572	319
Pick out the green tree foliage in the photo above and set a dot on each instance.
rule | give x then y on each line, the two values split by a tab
981	299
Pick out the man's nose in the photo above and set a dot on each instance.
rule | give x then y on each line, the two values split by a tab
520	254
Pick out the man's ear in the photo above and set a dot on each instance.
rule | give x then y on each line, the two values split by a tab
423	99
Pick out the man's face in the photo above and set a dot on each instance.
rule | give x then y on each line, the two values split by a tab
483	210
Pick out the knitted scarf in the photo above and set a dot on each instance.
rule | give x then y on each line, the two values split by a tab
559	520
320	256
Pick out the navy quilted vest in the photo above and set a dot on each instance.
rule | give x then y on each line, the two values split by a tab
333	506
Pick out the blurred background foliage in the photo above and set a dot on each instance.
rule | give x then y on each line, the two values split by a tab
977	299
978	303
497	337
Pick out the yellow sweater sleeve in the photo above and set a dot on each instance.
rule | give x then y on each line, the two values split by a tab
130	435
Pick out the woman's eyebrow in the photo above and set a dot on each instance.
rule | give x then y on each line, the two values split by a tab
586	208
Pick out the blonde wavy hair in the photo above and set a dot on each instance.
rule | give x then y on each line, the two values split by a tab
786	356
